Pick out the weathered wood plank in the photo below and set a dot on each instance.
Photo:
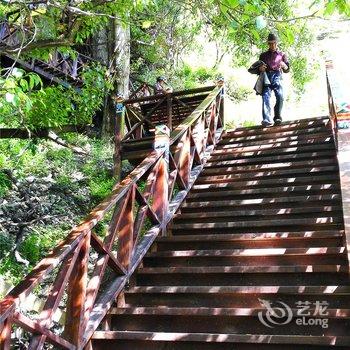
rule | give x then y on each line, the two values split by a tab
5	334
54	298
34	327
76	295
175	93
344	171
126	231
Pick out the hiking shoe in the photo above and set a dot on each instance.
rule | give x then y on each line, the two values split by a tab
278	121
266	124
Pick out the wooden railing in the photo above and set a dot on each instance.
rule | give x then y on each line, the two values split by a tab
331	103
139	88
144	113
70	66
86	272
339	109
66	64
339	113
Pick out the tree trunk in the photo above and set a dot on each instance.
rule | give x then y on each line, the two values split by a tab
122	58
112	48
100	51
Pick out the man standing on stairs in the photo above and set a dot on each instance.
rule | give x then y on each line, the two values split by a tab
275	62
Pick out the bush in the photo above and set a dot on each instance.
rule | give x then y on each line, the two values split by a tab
36	245
5	184
101	186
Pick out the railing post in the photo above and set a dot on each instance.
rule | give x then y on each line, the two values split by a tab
221	83
169	104
161	199
126	231
118	135
5	334
73	329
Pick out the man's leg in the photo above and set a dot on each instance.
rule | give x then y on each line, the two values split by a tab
278	90
266	106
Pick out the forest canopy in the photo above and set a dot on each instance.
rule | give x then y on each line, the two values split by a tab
148	37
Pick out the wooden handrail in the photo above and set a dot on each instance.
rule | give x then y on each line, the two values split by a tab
154	98
339	113
189	121
339	108
143	114
131	207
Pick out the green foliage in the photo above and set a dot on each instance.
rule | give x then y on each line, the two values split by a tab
187	77
5	184
2	161
24	103
302	73
15	89
40	242
34	247
101	186
51	107
237	92
333	6
162	33
25	157
90	99
99	170
77	183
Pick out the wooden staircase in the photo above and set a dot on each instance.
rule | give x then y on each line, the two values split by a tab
143	114
66	71
262	225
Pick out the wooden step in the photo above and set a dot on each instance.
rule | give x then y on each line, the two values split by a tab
326	140
281	129
213	168
216	312
279	213
285	187
235	296
251	240
247	257
324	221
297	138
307	269
276	151
277	134
229	320
310	200
127	340
286	127
279	173
312	179
249	252
230	159
209	191
311	275
293	125
285	290
252	236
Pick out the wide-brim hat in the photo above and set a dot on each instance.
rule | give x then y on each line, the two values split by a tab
161	78
272	38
